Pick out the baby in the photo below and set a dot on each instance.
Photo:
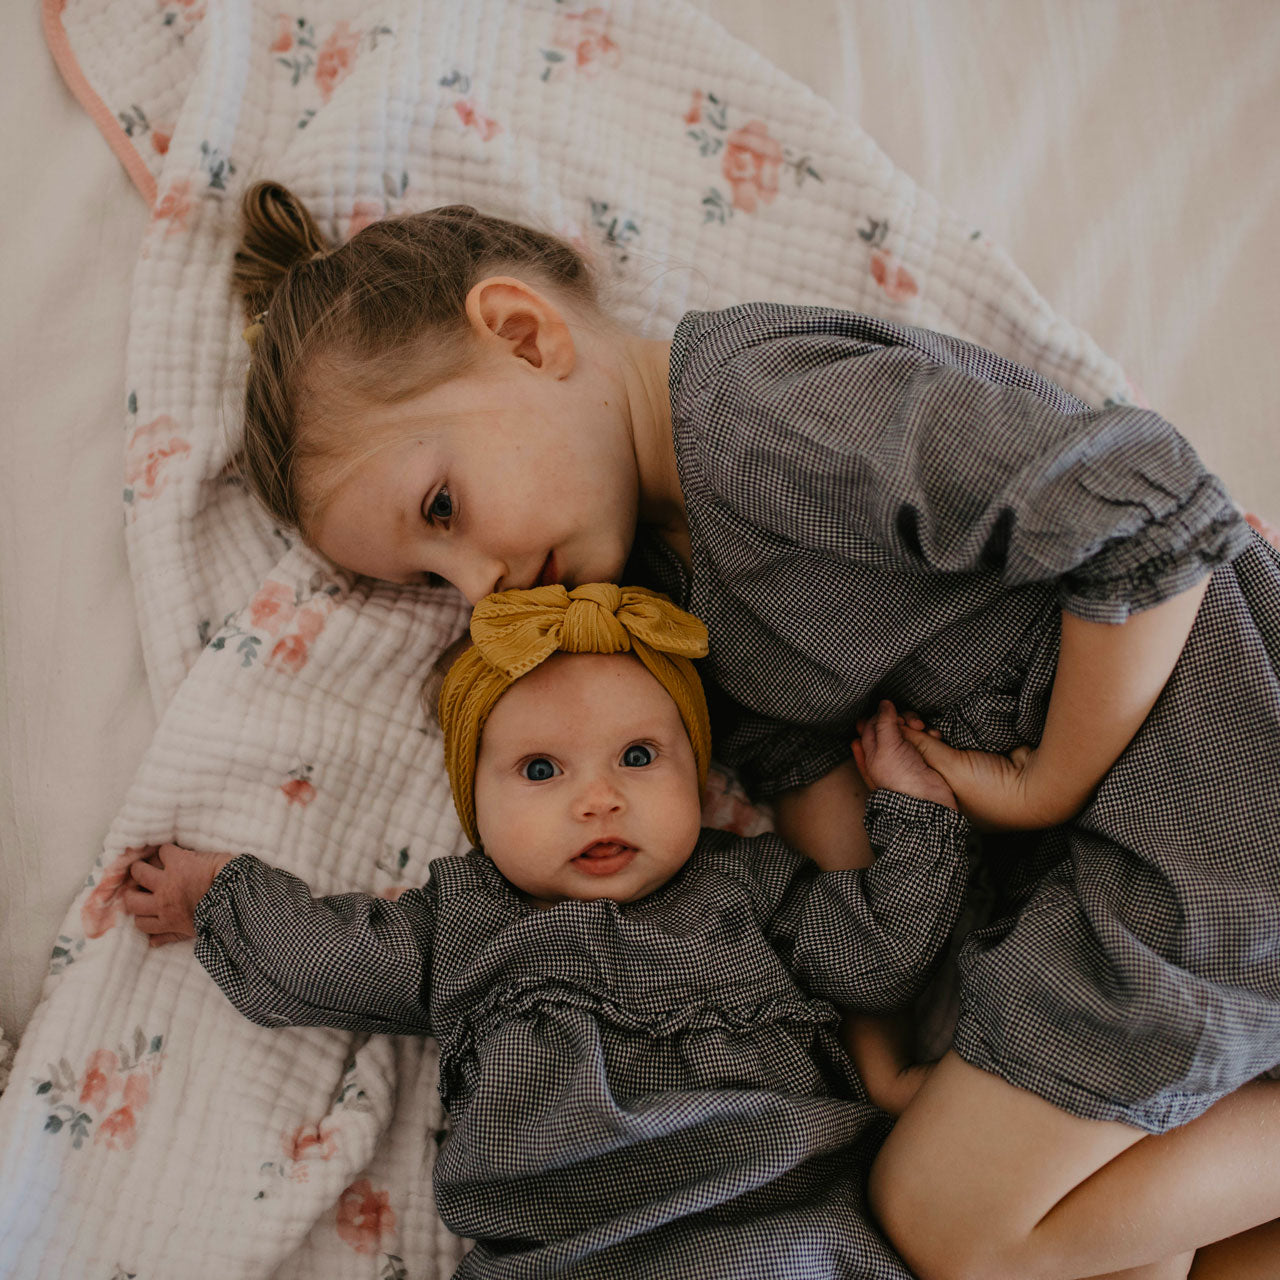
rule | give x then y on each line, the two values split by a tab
638	1046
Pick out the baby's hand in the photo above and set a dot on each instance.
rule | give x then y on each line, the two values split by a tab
167	885
886	759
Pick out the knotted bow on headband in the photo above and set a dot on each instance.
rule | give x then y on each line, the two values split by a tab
513	631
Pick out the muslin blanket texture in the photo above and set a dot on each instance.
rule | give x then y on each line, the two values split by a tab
148	1130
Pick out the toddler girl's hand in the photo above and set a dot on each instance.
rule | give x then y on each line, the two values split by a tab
887	760
167	885
996	793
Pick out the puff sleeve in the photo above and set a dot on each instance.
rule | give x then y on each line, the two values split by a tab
284	958
869	938
915	452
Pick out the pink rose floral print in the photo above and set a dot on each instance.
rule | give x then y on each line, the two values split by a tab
750	159
1265	528
581	44
726	806
134	122
316	1142
319	63
897	282
173	208
154	451
299	789
102	907
103	1103
466	107
365	1216
301	1147
282	621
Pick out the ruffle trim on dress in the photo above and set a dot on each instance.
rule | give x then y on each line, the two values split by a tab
543	997
1162	559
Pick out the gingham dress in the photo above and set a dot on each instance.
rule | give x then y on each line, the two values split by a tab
652	1089
878	511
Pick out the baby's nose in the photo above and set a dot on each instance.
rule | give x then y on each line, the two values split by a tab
599	796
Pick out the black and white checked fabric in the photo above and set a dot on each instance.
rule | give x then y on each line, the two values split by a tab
877	511
653	1089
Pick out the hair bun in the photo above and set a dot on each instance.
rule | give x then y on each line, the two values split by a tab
279	233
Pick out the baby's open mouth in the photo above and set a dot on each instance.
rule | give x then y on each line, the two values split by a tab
604	857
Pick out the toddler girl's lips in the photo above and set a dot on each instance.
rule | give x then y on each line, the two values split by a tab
548	573
604	858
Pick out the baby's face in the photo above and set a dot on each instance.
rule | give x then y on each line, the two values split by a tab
586	784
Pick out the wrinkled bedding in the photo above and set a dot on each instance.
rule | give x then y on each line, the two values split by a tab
219	664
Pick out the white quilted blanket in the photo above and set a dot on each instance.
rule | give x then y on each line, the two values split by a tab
148	1130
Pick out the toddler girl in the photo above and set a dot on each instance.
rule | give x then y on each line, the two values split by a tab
860	511
637	1051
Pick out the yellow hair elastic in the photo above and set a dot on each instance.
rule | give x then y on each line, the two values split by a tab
253	330
512	632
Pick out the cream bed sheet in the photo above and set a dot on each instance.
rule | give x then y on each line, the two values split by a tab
1124	154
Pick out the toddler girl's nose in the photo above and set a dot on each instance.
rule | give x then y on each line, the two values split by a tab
477	577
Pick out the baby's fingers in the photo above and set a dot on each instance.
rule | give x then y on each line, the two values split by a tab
138	902
146	873
860	759
888	725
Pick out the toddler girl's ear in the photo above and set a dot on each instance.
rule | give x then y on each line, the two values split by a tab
510	317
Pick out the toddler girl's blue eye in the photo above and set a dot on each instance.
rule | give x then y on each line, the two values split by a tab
441	505
637	757
539	770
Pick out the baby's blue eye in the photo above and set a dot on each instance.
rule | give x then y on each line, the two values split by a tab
441	507
539	770
637	757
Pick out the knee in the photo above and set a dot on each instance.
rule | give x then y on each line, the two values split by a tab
936	1240
1177	1268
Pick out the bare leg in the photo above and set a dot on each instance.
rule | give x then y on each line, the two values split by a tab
1178	1268
1254	1255
983	1181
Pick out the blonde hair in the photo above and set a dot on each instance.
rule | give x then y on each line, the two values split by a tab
379	319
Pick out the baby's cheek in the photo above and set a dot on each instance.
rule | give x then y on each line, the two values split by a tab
686	819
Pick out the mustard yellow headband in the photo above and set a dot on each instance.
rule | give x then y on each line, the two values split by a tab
513	631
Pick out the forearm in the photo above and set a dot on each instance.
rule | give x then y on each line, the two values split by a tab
881	1050
869	937
1108	679
284	957
824	820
